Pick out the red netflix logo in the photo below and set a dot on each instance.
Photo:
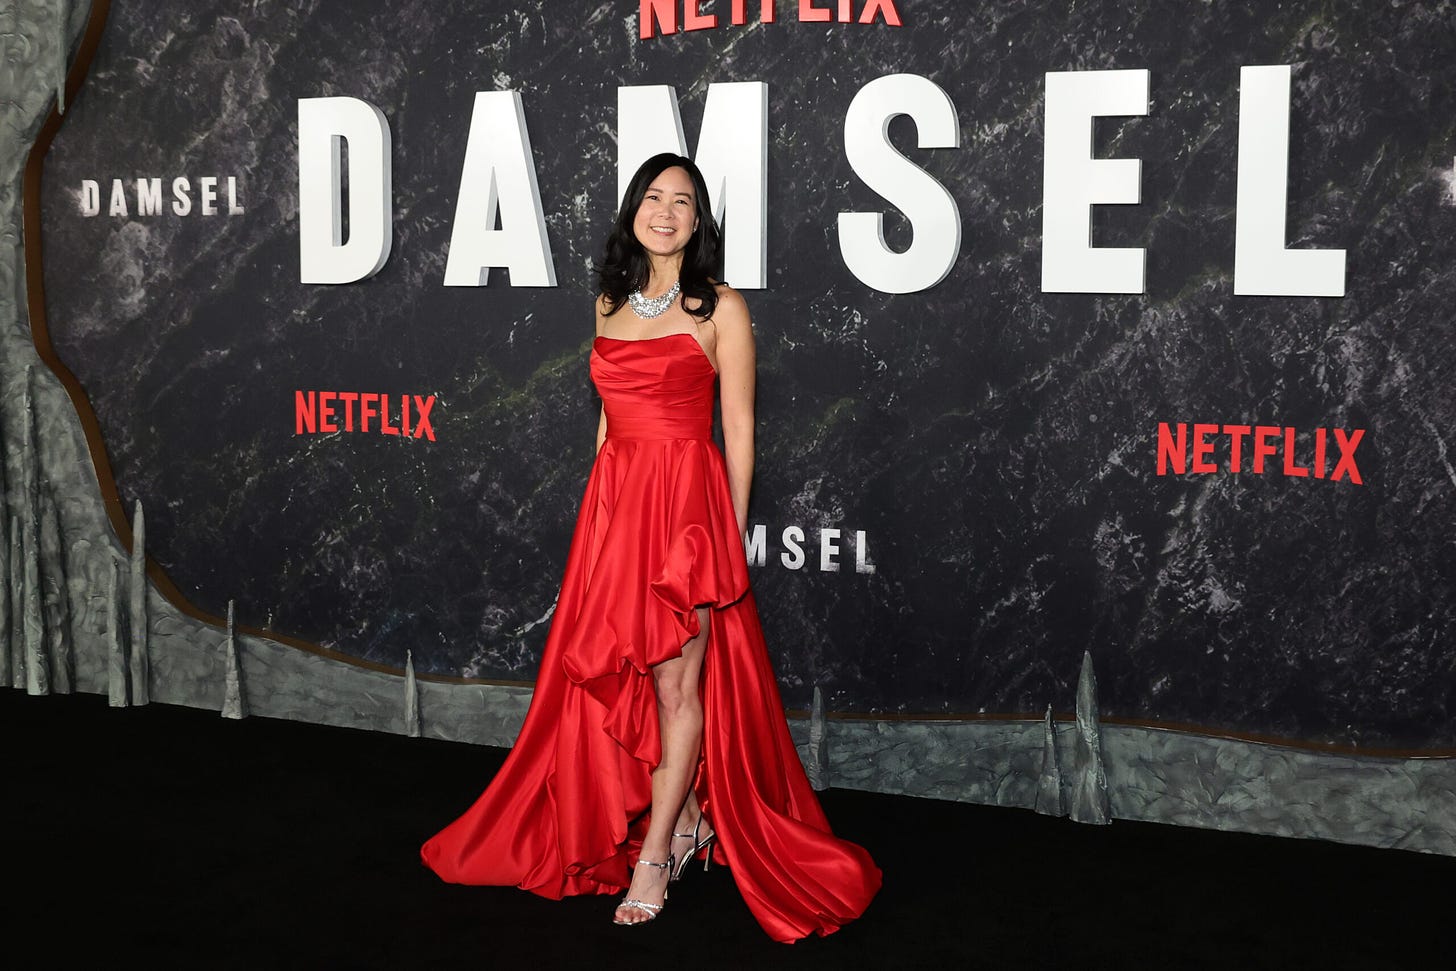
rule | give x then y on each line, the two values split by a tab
661	16
1263	442
325	412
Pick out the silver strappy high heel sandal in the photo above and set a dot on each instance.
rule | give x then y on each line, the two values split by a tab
704	846
652	910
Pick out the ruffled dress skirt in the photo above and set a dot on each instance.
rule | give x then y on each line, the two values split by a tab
656	539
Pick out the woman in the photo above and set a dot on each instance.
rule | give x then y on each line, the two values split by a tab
655	731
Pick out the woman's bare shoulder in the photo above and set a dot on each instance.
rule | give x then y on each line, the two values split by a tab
731	314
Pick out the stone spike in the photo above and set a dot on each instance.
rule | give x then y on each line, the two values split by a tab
115	648
411	697
1090	803
62	9
15	594
1049	785
37	665
141	675
817	768
234	701
56	601
5	676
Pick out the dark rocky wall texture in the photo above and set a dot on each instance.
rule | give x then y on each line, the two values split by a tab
997	444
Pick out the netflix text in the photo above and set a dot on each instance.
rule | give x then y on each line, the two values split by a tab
326	412
1259	448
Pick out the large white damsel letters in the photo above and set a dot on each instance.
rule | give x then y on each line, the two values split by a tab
934	219
498	180
324	124
1262	266
732	154
1073	182
499	176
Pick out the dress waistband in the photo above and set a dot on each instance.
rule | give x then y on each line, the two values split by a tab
657	427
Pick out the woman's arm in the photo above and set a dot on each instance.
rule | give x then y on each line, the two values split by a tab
602	421
736	381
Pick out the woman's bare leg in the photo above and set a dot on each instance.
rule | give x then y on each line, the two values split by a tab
680	717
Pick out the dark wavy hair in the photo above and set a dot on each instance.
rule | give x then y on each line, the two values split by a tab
624	267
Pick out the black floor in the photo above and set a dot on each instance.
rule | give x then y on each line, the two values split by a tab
169	837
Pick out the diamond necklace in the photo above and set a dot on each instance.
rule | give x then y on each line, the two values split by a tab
649	307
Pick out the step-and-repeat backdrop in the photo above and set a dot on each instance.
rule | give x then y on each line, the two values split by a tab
1081	326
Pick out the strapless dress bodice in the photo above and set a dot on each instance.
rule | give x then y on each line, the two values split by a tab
655	388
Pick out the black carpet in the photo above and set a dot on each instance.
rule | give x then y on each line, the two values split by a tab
169	837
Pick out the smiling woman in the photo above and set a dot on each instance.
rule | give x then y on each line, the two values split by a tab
656	732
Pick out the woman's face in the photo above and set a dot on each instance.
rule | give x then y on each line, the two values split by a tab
668	215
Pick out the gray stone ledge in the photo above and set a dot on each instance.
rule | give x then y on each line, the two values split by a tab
1161	776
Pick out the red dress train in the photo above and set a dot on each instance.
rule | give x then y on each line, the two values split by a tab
656	537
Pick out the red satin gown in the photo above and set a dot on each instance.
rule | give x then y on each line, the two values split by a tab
656	537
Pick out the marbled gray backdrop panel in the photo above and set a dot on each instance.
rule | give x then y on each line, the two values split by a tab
997	444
